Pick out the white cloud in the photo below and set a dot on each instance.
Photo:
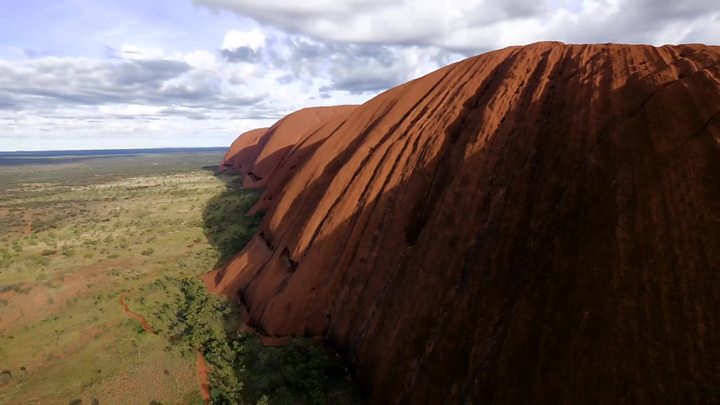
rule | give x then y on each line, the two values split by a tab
134	52
478	25
141	94
283	55
201	59
253	39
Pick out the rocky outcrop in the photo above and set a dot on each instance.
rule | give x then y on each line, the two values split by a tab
244	150
537	224
257	153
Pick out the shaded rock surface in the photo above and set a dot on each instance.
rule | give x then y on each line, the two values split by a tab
257	153
537	224
244	150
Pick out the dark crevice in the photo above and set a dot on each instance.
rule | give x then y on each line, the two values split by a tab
254	176
290	264
266	239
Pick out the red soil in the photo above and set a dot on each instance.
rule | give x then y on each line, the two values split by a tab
143	321
24	308
203	372
202	367
537	224
28	218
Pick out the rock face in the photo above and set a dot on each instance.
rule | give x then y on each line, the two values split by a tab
257	153
244	150
537	224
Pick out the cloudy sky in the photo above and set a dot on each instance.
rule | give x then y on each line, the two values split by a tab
86	74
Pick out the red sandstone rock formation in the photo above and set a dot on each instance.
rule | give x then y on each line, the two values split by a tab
257	153
244	150
537	224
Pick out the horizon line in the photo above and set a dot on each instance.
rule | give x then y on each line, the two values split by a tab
113	149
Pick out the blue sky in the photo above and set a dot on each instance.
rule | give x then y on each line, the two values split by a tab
110	74
86	28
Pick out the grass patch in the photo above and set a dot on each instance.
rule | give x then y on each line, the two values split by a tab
70	242
245	371
227	225
75	237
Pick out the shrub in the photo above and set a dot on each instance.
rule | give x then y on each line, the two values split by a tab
300	372
5	377
67	251
243	370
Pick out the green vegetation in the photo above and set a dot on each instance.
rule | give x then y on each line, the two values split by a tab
77	237
71	243
227	226
243	370
199	321
299	372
